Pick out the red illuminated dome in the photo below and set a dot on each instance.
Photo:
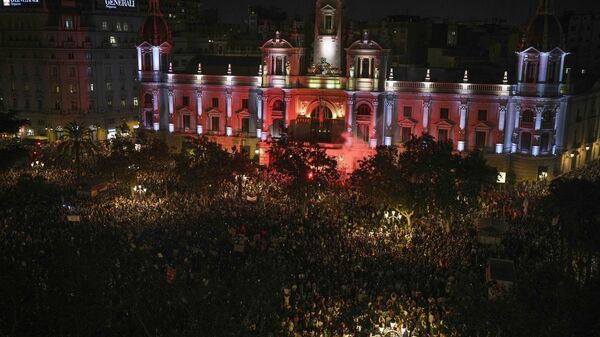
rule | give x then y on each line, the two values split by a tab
155	29
544	31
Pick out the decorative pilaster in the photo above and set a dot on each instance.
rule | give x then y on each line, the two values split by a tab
228	127
171	111
426	112
155	111
199	111
286	113
373	140
538	117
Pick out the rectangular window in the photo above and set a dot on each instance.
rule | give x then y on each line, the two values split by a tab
123	103
215	123
104	25
406	134
407	112
444	113
442	135
187	122
72	89
244	103
186	101
71	71
118	26
480	138
246	125
125	26
136	101
108	86
69	23
482	115
113	40
109	102
91	87
328	22
215	102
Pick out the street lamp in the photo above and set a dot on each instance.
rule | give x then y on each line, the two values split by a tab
37	165
392	216
139	190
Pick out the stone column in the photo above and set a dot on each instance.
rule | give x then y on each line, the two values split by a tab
286	113
560	126
350	115
156	111
259	115
199	110
464	112
501	120
228	127
171	111
426	111
373	140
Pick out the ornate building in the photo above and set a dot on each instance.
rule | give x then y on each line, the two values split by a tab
350	102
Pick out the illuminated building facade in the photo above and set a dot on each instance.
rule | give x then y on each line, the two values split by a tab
349	101
62	61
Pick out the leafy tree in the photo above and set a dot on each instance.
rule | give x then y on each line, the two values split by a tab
425	177
10	124
205	163
305	167
77	144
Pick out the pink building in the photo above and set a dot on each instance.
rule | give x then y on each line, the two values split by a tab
349	101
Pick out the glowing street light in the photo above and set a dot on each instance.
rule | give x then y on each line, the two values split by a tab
139	190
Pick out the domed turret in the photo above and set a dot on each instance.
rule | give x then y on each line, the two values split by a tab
156	42
544	31
155	29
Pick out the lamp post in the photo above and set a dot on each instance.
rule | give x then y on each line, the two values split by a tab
37	165
139	190
392	216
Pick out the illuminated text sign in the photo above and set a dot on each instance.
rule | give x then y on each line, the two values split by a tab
119	3
14	3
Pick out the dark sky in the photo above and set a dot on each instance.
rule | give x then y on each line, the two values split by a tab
514	11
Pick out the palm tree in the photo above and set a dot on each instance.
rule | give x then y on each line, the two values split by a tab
78	143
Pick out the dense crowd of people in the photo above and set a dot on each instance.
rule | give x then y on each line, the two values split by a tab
169	261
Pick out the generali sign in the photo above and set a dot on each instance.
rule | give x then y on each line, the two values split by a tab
119	3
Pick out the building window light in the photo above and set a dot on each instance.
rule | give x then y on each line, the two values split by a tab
113	40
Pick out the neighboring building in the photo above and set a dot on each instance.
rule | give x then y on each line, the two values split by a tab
62	61
583	129
583	40
350	102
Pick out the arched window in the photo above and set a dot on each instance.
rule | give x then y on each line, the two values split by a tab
148	101
527	119
363	110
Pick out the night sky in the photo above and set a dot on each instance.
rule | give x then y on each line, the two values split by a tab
514	11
